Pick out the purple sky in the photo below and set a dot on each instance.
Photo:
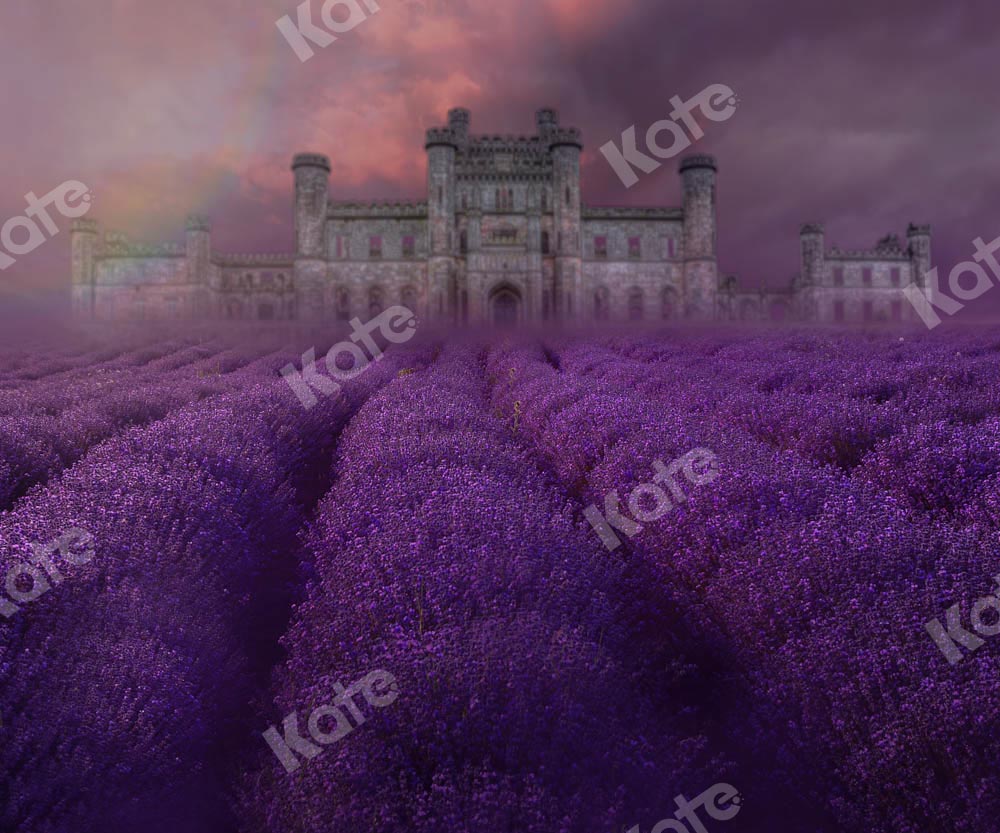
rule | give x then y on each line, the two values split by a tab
864	116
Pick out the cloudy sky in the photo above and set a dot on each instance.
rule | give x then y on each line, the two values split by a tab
862	115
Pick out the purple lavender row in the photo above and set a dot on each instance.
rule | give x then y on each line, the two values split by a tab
37	444
128	687
446	558
822	587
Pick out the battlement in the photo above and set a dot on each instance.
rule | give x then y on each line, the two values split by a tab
811	228
914	230
311	160
198	222
698	160
84	225
117	244
388	209
442	137
240	260
615	212
565	136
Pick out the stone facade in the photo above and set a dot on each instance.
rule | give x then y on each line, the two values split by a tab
503	237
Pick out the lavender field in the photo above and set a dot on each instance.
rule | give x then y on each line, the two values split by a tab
201	574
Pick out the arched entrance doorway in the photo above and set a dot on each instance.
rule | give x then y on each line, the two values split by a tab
505	305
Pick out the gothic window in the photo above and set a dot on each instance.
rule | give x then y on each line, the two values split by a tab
376	301
668	303
545	201
894	276
838	311
568	196
409	246
340	246
838	276
465	201
408	297
375	246
634	248
545	242
440	196
635	305
897	310
602	304
343	305
601	246
867	311
496	200
463	242
866	276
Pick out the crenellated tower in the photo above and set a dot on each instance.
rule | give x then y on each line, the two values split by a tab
919	237
701	274
565	145
84	242
312	184
442	145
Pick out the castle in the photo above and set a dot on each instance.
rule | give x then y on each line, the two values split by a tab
503	237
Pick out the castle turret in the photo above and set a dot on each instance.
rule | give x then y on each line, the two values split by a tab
442	146
701	277
198	248
84	241
312	183
812	253
565	145
919	238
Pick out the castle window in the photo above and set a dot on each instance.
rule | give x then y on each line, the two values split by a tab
569	196
376	301
894	276
669	248
375	246
440	196
634	247
867	311
602	304
496	200
635	305
838	276
866	276
465	201
668	302
601	246
545	242
343	305
545	200
409	246
838	311
463	242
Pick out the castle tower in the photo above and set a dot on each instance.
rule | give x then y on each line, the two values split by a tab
83	245
812	267
565	145
701	277
442	146
312	184
919	238
198	248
